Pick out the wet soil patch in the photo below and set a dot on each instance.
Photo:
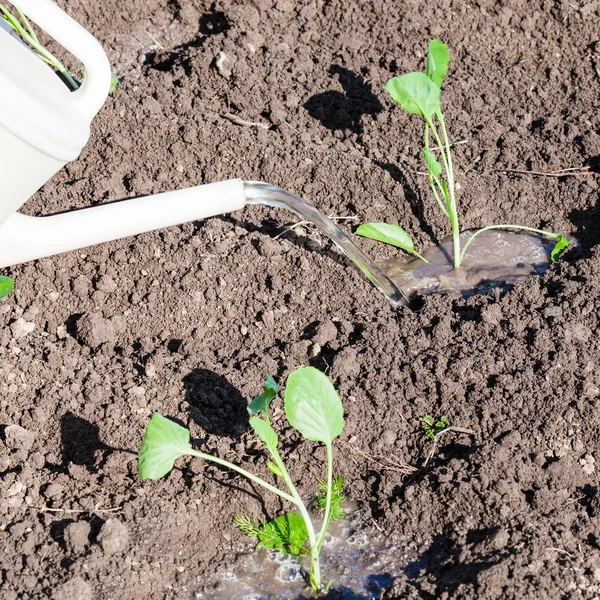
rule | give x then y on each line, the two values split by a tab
190	321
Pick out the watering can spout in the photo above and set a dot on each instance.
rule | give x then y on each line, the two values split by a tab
24	238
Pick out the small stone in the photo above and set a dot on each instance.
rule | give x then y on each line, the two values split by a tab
244	330
21	328
150	370
501	539
314	350
53	490
325	332
15	489
77	536
61	332
106	284
113	537
223	64
17	438
93	330
74	589
53	296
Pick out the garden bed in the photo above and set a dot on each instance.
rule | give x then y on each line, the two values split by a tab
191	320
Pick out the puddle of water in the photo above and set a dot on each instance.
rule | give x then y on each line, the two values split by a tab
495	258
361	562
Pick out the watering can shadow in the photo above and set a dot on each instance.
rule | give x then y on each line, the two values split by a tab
43	126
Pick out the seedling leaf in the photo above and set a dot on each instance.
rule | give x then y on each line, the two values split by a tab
312	405
389	234
559	248
286	532
337	497
433	166
415	93
264	431
438	58
261	403
7	285
164	442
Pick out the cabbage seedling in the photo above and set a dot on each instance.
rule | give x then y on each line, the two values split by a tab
314	409
419	94
21	25
7	285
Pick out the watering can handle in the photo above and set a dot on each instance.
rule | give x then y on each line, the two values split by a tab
90	97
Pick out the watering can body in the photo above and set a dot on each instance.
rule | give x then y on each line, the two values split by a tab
44	125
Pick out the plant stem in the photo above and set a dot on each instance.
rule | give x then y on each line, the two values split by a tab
22	26
327	514
315	565
434	181
450	178
533	230
245	473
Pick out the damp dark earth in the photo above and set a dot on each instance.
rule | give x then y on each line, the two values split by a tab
189	321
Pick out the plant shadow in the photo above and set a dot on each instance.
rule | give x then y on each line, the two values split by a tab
587	221
341	111
441	566
80	440
215	404
412	196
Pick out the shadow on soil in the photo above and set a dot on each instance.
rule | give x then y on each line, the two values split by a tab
441	566
344	110
588	221
215	404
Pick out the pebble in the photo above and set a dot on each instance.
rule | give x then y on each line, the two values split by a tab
76	536
113	537
21	328
17	438
93	330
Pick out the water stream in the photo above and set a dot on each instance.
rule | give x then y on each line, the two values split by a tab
257	192
495	258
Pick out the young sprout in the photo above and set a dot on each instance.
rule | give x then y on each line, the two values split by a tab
314	409
7	285
20	24
431	426
419	93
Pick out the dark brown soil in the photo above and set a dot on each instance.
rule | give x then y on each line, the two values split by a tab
191	320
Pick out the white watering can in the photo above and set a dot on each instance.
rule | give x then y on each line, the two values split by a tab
43	126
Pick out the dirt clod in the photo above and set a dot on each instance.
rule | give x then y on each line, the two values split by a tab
18	438
113	537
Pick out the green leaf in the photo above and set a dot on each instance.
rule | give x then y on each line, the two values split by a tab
114	82
286	532
312	405
559	248
415	93
389	234
7	285
433	166
164	442
438	58
264	431
261	403
337	497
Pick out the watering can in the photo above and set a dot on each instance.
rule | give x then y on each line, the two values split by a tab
43	126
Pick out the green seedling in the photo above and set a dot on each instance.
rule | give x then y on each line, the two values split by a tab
114	82
314	409
7	285
419	94
21	25
432	426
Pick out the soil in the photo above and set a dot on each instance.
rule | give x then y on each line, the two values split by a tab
191	320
